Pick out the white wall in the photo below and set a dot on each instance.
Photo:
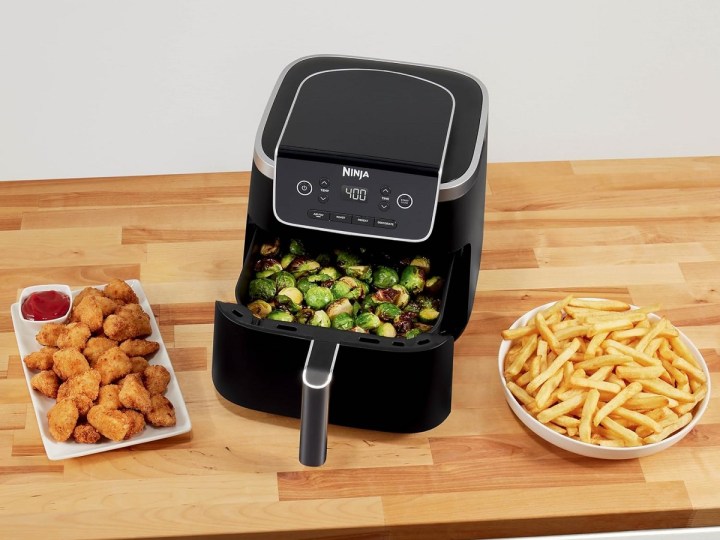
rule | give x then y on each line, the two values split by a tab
100	88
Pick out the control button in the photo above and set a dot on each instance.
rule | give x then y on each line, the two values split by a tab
318	214
362	220
304	187
383	206
385	223
323	198
404	201
324	182
385	191
341	218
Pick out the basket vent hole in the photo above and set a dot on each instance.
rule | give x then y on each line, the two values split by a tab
423	342
237	313
398	343
369	340
289	328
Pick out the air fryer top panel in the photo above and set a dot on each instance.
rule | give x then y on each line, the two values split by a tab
467	130
361	153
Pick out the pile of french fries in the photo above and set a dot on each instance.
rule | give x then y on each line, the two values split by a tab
603	373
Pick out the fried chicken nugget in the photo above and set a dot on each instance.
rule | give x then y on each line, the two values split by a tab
162	413
111	423
74	335
112	365
109	396
133	395
96	346
129	321
86	434
156	379
137	422
87	291
69	362
49	333
46	382
89	312
42	359
62	418
117	289
86	383
139	364
139	347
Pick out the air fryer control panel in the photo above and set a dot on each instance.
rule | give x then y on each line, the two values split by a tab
354	200
361	153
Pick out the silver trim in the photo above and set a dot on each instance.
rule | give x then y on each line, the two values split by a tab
448	191
332	368
442	160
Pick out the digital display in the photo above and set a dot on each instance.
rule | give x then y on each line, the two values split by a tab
353	193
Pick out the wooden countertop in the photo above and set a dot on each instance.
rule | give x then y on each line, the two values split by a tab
644	231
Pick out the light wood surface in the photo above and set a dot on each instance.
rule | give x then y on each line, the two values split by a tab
645	231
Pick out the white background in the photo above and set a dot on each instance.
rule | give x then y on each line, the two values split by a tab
100	88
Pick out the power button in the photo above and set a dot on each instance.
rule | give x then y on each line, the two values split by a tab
304	187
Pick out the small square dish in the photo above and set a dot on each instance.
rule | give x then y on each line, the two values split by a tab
25	332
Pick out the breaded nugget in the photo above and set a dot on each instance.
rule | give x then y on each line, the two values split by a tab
139	347
119	290
89	312
108	305
82	402
156	379
129	321
69	362
74	335
137	422
112	365
62	418
42	359
87	291
133	395
96	346
109	396
86	434
46	382
49	333
86	383
162	412
139	364
111	423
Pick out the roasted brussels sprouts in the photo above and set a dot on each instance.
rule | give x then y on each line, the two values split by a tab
404	322
413	332
421	262
284	279
270	249
384	277
280	315
320	318
360	271
434	285
304	315
387	311
303	284
342	321
296	247
337	307
413	279
403	297
262	289
386	330
267	267
318	297
340	289
293	293
286	260
302	266
367	321
260	308
428	315
331	272
345	259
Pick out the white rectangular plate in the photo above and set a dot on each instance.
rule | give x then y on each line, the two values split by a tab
27	343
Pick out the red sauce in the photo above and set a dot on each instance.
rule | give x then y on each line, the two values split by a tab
45	306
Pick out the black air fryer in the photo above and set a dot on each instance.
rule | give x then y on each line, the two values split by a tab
353	153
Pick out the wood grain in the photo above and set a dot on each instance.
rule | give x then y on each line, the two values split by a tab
645	231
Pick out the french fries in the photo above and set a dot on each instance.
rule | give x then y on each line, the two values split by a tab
604	373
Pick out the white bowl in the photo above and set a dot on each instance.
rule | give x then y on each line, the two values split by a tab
27	291
591	450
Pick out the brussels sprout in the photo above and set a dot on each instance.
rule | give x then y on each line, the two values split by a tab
384	277
404	322
266	274
387	311
413	332
412	307
304	315
319	278
357	308
303	284
324	259
320	318
270	249
287	304
331	272
260	308
267	267
262	289
340	290
358	330
286	260
413	279
293	293
385	295
423	327
386	330
421	262
318	297
280	315
345	259
428	315
360	271
284	279
357	287
302	266
403	297
296	247
369	303
434	285
367	321
427	302
337	307
343	321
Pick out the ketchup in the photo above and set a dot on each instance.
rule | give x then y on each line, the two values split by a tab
45	306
